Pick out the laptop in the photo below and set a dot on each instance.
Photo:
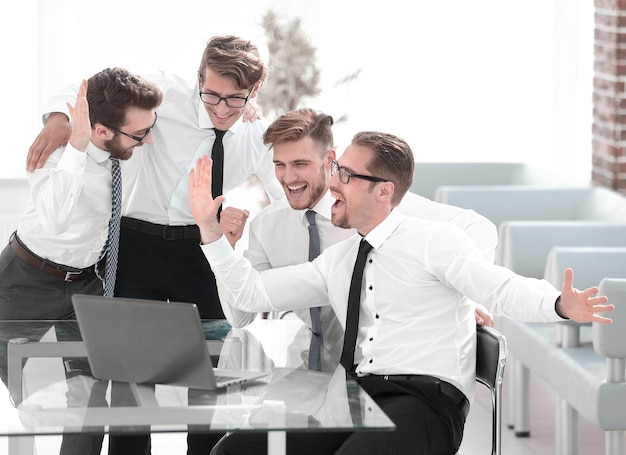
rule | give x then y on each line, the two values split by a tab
150	342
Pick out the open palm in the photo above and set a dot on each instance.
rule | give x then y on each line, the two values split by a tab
203	207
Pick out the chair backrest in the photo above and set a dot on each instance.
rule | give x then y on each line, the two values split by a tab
428	176
525	245
491	354
590	264
504	203
609	340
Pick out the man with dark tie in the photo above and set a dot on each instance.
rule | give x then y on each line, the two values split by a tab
65	241
284	233
410	330
159	257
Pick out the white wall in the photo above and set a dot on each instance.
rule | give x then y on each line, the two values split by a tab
459	80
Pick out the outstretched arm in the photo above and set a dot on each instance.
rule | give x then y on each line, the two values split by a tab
582	306
203	207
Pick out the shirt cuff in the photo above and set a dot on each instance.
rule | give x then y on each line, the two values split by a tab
556	308
219	252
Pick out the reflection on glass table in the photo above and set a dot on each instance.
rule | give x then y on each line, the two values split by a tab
44	400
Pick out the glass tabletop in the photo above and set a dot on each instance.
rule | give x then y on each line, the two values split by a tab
41	395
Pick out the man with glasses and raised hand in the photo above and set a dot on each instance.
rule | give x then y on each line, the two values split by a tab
398	287
61	237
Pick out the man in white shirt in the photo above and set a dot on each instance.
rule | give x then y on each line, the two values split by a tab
415	333
59	239
303	149
159	258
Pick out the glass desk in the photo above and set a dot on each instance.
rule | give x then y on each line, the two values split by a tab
45	400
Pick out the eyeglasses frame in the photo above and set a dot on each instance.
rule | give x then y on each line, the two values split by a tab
335	168
139	139
226	98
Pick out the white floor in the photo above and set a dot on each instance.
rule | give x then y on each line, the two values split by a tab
477	431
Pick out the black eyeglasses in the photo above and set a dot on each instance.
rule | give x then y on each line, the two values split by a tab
345	175
139	139
231	101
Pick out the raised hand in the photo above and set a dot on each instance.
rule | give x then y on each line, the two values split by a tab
203	207
81	129
583	306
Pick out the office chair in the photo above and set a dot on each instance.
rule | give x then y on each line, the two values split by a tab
491	354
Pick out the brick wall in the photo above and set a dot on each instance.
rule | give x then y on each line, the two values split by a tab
609	97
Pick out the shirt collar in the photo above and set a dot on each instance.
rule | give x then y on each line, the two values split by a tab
204	121
322	208
97	154
385	228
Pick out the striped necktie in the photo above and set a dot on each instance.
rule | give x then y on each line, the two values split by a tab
111	246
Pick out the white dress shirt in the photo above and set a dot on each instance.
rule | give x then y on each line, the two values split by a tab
279	237
414	318
156	176
67	215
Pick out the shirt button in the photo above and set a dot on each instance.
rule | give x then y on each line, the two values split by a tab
371	360
372	339
377	316
371	287
370	261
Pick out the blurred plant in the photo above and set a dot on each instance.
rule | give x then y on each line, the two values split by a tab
293	73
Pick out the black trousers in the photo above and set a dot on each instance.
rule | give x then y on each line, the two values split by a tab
28	293
157	268
427	423
162	267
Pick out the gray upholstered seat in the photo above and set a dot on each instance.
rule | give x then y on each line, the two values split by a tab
591	379
427	177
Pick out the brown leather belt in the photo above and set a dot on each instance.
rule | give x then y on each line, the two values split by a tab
49	268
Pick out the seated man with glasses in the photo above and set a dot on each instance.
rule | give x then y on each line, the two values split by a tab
400	287
287	231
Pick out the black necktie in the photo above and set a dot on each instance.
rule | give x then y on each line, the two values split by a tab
316	323
354	304
217	155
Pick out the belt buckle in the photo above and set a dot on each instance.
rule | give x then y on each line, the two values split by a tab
172	233
69	274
